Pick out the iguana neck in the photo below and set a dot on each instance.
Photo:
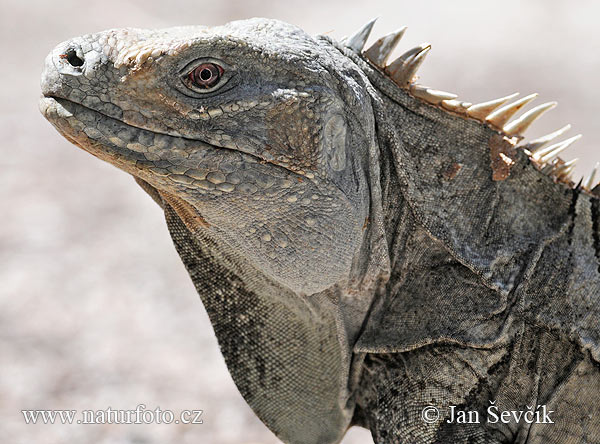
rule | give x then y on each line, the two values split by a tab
512	244
287	353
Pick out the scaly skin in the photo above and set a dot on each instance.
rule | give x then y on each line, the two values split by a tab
361	253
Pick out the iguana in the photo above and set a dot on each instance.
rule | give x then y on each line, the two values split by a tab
368	249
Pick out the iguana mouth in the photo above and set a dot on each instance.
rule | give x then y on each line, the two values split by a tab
66	116
113	137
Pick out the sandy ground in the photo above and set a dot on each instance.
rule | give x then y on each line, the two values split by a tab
96	310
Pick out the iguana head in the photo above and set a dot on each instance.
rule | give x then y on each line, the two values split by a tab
302	172
257	129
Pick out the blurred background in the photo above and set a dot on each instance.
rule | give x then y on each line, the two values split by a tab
96	309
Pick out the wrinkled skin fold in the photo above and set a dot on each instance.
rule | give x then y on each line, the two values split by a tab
349	279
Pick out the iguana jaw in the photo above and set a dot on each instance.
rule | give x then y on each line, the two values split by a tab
237	204
114	140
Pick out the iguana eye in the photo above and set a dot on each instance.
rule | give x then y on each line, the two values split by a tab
201	78
206	75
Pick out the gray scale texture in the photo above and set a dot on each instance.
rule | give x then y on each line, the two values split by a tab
347	278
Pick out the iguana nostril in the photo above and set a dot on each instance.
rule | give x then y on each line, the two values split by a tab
72	58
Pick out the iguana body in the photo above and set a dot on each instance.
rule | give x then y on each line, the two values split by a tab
364	247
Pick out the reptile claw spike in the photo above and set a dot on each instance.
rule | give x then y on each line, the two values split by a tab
544	155
589	182
358	40
456	106
480	111
403	69
563	171
535	145
381	50
518	126
548	168
502	115
431	95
